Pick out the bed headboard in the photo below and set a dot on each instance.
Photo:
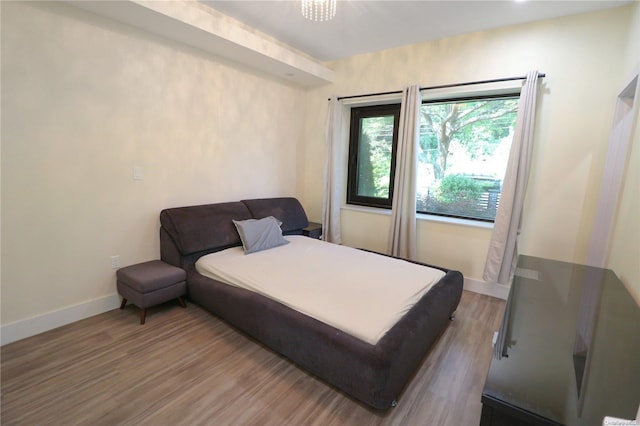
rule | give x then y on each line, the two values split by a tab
186	233
288	210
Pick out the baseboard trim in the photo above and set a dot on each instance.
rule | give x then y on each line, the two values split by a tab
39	324
22	329
483	287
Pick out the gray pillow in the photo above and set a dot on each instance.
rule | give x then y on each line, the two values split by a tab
260	234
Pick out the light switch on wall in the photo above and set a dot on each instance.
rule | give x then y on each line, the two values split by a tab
137	173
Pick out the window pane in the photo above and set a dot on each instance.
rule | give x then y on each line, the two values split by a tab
374	156
462	157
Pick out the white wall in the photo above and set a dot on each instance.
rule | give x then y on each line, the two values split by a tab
84	100
582	57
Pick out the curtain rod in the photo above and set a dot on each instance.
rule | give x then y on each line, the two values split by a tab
443	86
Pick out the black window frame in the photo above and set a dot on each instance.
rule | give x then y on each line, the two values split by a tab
357	114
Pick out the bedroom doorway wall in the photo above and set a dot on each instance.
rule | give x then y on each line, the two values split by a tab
613	174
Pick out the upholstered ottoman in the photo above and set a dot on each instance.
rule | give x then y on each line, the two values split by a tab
150	283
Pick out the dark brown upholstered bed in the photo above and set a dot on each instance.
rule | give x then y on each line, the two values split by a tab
374	374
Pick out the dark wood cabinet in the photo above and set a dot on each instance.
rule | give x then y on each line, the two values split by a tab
568	352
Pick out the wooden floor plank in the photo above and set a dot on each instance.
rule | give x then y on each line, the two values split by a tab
186	367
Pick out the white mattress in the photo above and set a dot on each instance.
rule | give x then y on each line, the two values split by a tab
360	293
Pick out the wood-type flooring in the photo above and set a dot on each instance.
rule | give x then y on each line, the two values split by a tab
187	367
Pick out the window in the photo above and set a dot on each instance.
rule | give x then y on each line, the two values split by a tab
463	150
372	155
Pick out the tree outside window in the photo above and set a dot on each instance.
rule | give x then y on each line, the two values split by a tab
463	151
462	155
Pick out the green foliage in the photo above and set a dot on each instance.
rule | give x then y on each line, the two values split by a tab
366	180
477	125
376	145
458	187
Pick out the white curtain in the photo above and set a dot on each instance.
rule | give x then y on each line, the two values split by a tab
402	233
334	169
502	253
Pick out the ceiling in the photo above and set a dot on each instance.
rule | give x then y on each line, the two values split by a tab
273	37
363	26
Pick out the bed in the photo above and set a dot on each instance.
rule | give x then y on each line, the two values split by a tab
374	372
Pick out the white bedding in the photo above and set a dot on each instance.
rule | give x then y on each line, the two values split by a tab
360	293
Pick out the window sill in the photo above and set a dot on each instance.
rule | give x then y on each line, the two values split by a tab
422	216
455	221
365	209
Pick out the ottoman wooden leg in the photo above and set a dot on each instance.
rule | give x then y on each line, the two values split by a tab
123	304
181	301
143	315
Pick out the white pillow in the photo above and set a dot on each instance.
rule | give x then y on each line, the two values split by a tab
260	234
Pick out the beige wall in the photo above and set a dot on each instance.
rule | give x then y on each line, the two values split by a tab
84	100
582	57
625	248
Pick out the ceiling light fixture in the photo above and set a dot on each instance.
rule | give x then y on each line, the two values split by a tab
319	10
